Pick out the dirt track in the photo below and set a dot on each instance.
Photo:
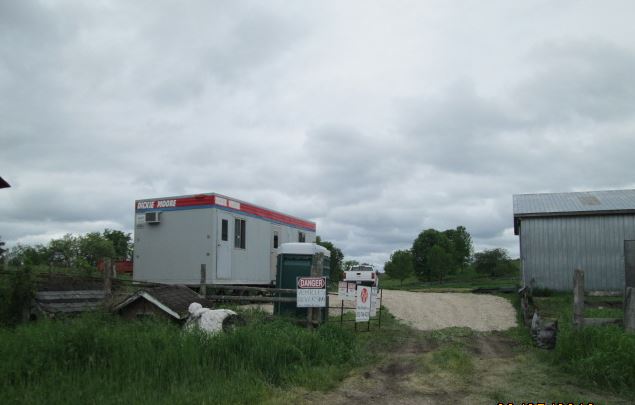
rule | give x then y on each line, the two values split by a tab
429	311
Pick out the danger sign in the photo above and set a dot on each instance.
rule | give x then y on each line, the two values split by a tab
312	282
311	292
362	309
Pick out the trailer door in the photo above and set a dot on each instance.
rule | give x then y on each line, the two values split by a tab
223	247
275	244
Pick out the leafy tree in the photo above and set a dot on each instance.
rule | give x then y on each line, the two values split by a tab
3	251
93	246
461	242
421	252
336	259
121	242
494	262
440	262
65	250
400	266
29	255
348	263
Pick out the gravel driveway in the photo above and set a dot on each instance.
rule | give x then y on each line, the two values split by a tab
428	311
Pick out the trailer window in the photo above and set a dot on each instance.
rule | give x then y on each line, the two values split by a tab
224	230
239	233
301	237
275	240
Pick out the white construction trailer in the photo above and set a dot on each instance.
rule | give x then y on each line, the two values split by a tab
237	242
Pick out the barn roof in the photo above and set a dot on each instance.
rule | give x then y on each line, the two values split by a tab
576	203
172	299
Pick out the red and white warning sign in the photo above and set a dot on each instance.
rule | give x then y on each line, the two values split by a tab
311	292
362	309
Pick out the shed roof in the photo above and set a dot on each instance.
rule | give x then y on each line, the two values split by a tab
172	299
575	203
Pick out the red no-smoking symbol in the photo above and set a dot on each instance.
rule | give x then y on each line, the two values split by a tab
364	295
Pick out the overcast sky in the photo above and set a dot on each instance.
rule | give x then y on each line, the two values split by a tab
374	119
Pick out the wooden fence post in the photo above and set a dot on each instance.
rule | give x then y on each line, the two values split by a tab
107	281
317	267
629	310
114	270
203	288
578	298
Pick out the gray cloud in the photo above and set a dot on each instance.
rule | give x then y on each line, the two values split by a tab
377	122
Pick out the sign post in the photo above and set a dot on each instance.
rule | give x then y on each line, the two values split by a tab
346	291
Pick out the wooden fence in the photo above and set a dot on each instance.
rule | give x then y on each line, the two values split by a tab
580	321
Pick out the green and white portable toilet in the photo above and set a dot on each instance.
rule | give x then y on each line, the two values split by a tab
295	260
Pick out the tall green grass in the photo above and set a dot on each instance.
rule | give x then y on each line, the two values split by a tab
603	355
101	359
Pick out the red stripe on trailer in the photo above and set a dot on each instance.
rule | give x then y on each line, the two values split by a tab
276	216
224	202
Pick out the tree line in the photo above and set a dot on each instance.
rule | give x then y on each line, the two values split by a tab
436	254
78	251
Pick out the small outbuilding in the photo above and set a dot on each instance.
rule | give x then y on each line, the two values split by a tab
593	231
169	302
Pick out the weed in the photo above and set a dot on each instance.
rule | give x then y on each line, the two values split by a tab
98	358
602	355
454	359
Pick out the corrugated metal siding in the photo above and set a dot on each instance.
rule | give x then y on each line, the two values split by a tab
589	201
553	247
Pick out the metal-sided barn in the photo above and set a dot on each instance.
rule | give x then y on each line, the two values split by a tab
593	231
235	240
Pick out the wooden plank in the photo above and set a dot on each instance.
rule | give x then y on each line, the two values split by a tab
599	293
250	299
250	288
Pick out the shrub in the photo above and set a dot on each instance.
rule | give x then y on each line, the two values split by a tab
495	262
16	296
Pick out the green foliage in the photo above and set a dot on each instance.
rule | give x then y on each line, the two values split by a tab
121	242
348	263
94	246
455	359
65	250
81	251
155	362
461	243
604	355
452	252
336	259
400	266
495	262
16	296
3	250
440	262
